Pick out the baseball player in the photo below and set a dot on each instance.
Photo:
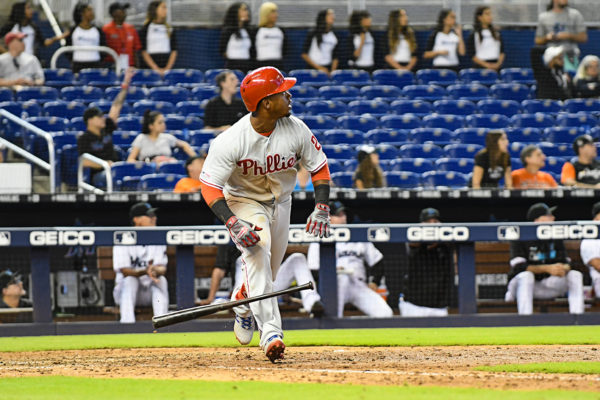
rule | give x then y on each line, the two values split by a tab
247	181
351	259
140	271
540	269
590	253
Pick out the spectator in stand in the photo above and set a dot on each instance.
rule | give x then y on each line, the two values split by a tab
539	269
121	36
320	49
12	290
562	25
530	176
191	184
21	20
85	33
368	173
97	138
590	253
226	109
237	43
446	42
587	79
485	45
492	163
552	81
270	40
159	42
303	181
362	42
401	41
585	170
18	68
153	145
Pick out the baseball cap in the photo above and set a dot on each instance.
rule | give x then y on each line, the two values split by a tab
429	213
92	112
581	141
595	209
141	209
117	6
364	151
335	207
552	52
13	35
8	277
539	209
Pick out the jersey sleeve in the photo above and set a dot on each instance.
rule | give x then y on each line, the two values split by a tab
372	254
173	40
312	156
589	250
220	163
313	256
307	42
430	41
143	35
470	44
121	258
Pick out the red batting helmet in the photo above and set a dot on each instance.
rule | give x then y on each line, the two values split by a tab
261	83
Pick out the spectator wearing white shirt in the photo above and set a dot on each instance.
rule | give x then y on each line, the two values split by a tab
18	68
85	33
362	42
237	43
401	40
446	42
590	253
320	49
485	45
159	44
270	40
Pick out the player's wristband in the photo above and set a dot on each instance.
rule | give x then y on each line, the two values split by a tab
322	193
222	211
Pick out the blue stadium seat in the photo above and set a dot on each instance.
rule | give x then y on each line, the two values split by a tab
85	94
335	166
134	93
98	77
403	179
447	121
350	77
495	106
387	136
349	165
419	108
468	91
579	120
201	93
64	109
384	92
554	164
510	91
298	108
304	92
514	148
32	108
339	152
427	150
319	122
393	77
362	123
68	159
387	152
343	179
445	179
78	125
124	138
311	77
58	77
174	167
129	123
165	107
594	132
201	137
121	169
40	94
517	75
129	184
463	150
416	165
338	92
441	77
191	108
563	150
50	124
183	77
6	94
373	107
329	108
462	165
342	136
179	123
545	106
526	135
456	107
211	74
63	139
489	121
471	135
439	136
562	134
578	105
515	163
39	146
159	182
477	75
406	121
538	120
424	92
13	107
172	94
146	77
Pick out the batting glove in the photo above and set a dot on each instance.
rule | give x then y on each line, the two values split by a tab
318	222
242	232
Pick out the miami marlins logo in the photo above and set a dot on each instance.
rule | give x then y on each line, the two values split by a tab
275	163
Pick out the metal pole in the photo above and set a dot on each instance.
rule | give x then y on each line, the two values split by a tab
52	20
70	49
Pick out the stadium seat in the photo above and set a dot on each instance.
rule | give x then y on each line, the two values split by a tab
462	165
554	164
77	124
146	77
211	74
342	136
58	77
50	124
462	150
129	123
350	77
200	137
13	107
159	182
489	121
562	134
63	109
121	169
403	179
335	166
134	93
477	75
393	77
538	120
180	123
124	138
184	77
387	152
338	92
406	121
349	165
319	122
545	106
84	94
40	94
468	91
304	93
444	179
579	105
579	120
32	108
441	77
387	136
447	121
165	107
439	136
416	165
495	106
343	179
172	94
510	91
39	146
339	152
362	123
329	108
456	107
373	107
175	167
202	93
471	135
191	108
525	135
69	157
594	132
298	108
514	148
517	75
427	150
6	94
424	92
98	77
383	92
563	150
419	108
311	77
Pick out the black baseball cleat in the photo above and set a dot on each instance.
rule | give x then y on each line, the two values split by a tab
317	310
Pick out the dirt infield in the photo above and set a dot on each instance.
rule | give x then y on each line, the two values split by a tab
439	366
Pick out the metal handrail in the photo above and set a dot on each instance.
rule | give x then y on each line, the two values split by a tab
52	20
70	49
81	185
48	166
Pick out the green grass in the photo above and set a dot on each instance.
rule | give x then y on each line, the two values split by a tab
70	388
580	367
323	337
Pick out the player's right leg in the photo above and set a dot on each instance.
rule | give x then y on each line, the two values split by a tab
129	290
160	296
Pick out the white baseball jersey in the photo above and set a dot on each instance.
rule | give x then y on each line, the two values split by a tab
138	258
350	258
244	163
590	249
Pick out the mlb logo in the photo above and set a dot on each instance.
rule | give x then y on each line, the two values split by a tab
379	234
125	237
509	233
4	238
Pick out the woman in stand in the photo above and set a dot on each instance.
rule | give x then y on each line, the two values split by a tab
446	42
401	41
493	162
237	45
321	44
485	45
368	173
587	79
270	40
362	43
159	44
85	33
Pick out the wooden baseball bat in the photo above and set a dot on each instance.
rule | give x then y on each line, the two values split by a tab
192	313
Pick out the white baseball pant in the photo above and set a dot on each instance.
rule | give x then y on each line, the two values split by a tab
595	275
524	288
408	309
130	293
295	268
354	291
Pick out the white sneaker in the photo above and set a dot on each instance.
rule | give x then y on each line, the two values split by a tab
243	329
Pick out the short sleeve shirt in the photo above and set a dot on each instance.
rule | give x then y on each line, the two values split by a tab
218	113
590	249
525	180
151	148
138	258
491	176
99	146
570	20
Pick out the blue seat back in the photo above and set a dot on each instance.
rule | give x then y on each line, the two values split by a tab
343	179
393	77
172	94
159	182
403	179
388	92
447	121
98	76
468	91
488	121
164	107
436	76
338	92
439	136
85	94
456	107
202	93
519	75
462	165
526	135
545	106
64	109
330	108
184	76
477	75
350	76
538	120
450	179
146	77
406	121
419	108
462	150
424	92
358	107
510	91
40	94
496	106
416	165
427	150
362	123
134	93
387	136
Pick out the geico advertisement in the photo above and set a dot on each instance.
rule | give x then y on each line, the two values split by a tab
336	235
62	238
197	237
548	232
438	233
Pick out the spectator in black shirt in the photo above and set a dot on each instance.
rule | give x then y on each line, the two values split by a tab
584	170
587	79
493	162
97	139
237	42
368	174
226	109
320	49
552	81
12	290
159	44
485	45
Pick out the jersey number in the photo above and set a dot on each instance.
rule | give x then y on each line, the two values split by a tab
315	142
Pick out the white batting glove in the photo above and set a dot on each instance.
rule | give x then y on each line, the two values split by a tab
242	232
318	222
